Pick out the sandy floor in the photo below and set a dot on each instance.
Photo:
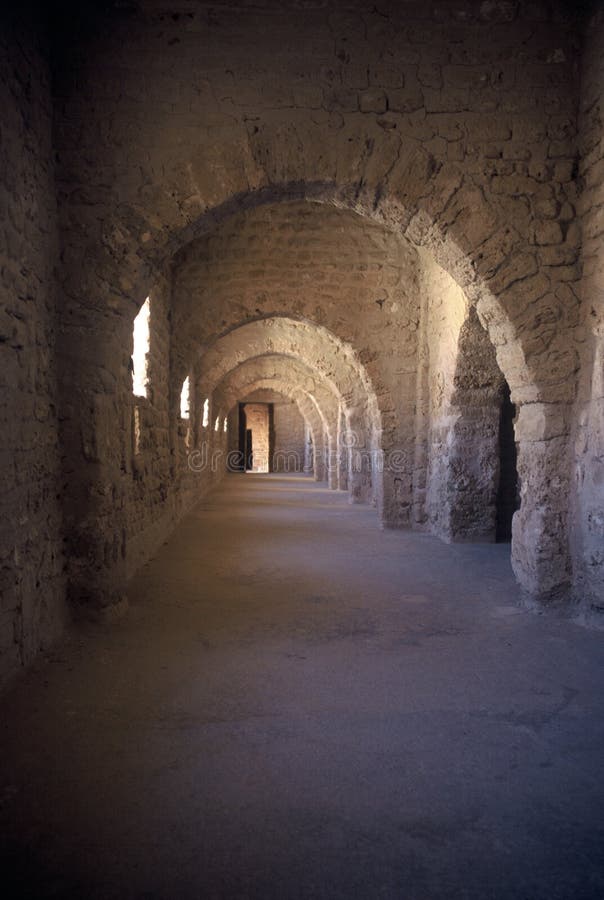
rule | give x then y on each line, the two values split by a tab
300	705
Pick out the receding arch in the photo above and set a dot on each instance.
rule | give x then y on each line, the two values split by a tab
290	438
330	357
308	410
326	358
498	271
435	214
318	400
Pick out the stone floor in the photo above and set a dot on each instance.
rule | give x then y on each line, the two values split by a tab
300	705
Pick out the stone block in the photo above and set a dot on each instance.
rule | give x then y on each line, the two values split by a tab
373	101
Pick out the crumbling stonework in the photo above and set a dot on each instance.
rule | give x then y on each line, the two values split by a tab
376	213
288	453
587	535
32	587
464	472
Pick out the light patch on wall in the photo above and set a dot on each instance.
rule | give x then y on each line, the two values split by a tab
206	413
137	430
185	398
140	353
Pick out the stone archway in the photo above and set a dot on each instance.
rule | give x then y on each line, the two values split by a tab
309	410
379	128
466	460
290	426
316	401
492	282
325	360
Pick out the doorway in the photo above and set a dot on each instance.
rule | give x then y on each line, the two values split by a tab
256	436
508	500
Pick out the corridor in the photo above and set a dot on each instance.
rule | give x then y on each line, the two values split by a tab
299	705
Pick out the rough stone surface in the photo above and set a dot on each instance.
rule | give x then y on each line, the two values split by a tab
383	213
588	457
32	589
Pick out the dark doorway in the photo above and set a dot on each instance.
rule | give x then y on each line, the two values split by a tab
241	459
249	450
508	500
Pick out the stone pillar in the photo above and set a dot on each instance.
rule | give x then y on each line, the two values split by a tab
308	449
342	453
588	509
332	464
540	547
96	421
359	462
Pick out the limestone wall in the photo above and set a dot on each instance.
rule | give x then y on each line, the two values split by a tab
453	124
289	437
325	266
32	610
325	200
588	469
445	310
465	391
150	457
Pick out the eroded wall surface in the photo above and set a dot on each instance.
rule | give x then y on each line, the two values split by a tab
32	608
453	124
244	163
323	266
444	311
289	437
151	442
588	524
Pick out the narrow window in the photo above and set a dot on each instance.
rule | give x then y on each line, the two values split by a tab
225	425
184	398
217	423
140	353
206	413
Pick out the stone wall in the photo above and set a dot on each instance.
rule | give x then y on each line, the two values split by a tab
289	437
233	458
460	395
150	445
473	462
445	310
317	265
588	470
452	124
319	199
32	609
199	451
